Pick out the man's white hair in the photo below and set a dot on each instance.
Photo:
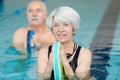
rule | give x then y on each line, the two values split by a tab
44	6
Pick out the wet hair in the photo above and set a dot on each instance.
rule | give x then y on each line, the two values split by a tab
64	15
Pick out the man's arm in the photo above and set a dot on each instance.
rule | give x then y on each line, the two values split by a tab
19	40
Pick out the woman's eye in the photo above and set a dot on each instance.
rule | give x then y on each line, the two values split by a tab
66	24
55	25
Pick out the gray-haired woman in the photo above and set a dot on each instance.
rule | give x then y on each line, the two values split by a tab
76	60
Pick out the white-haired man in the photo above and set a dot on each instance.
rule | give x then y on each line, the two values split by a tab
36	14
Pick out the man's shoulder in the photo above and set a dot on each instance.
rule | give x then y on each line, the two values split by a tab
21	30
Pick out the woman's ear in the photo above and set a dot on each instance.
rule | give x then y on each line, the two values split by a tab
51	29
73	32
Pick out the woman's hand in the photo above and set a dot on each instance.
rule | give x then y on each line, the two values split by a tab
63	59
62	55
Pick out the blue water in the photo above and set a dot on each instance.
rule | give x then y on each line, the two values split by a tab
15	66
114	69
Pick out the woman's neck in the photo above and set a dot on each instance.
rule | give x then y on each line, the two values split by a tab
68	47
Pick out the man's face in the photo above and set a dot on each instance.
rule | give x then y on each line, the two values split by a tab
36	13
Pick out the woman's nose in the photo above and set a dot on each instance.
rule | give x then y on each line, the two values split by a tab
61	28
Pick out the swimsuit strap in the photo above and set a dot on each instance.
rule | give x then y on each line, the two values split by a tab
28	42
49	50
73	63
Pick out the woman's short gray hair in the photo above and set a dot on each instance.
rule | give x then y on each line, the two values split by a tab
65	15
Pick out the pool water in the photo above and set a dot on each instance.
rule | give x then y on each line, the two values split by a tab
99	31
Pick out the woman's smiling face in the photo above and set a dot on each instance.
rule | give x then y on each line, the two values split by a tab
62	31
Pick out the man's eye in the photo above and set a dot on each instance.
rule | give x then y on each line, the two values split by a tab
30	11
39	10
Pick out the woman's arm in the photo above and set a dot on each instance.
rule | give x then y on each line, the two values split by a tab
65	63
45	65
84	64
68	70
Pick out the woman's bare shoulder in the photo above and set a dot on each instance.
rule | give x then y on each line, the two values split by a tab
86	50
85	53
